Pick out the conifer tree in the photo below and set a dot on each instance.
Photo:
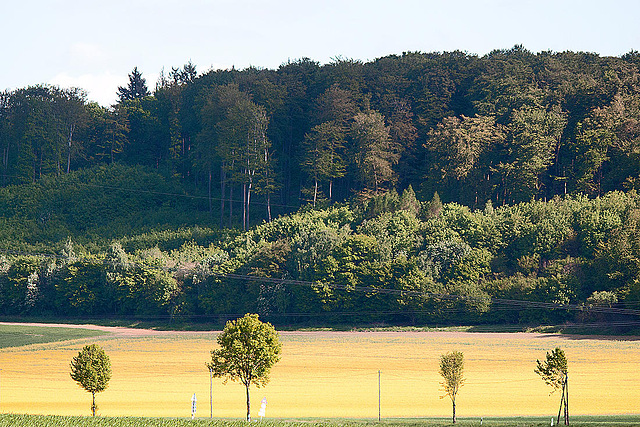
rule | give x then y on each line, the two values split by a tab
137	87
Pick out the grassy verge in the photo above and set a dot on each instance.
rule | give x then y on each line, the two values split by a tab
61	421
17	335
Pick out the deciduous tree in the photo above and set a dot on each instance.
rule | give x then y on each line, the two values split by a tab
375	152
452	371
91	369
322	157
554	372
248	350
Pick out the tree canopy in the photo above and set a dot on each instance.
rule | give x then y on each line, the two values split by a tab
452	372
414	188
248	350
91	369
137	87
555	373
507	127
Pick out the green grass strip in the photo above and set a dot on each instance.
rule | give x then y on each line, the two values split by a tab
17	335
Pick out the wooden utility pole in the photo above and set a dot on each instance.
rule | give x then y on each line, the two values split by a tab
566	399
379	397
211	391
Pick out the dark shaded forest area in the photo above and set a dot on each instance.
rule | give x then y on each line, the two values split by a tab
423	187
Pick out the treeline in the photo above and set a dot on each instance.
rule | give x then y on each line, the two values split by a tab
507	127
421	261
137	209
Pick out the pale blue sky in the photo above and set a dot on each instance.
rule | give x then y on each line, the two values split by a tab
94	45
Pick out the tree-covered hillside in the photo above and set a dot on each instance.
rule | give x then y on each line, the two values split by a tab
391	259
95	204
422	187
508	127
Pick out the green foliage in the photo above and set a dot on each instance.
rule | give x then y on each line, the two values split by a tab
531	152
20	291
91	369
375	152
452	372
248	350
602	299
137	87
323	155
560	251
509	126
554	372
99	203
553	369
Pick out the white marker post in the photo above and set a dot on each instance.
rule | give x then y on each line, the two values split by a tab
263	408
193	405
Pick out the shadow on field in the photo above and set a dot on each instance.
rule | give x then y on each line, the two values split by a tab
568	331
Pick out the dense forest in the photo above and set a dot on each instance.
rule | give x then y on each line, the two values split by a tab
422	187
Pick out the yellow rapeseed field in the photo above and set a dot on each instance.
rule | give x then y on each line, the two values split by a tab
330	374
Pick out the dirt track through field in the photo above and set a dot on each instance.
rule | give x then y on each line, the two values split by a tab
121	331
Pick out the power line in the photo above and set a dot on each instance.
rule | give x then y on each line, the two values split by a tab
161	193
188	196
494	301
498	303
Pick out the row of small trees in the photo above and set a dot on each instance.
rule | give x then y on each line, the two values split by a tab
249	348
553	371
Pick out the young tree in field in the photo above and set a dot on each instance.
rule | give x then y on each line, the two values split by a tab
91	369
554	372
452	371
248	350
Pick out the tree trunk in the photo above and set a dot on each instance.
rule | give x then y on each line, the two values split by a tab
222	194
209	191
230	204
244	207
69	158
454	411
71	130
93	404
248	203
269	206
375	181
248	405
315	193
561	403
566	400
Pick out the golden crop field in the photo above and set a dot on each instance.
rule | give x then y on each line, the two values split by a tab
329	374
